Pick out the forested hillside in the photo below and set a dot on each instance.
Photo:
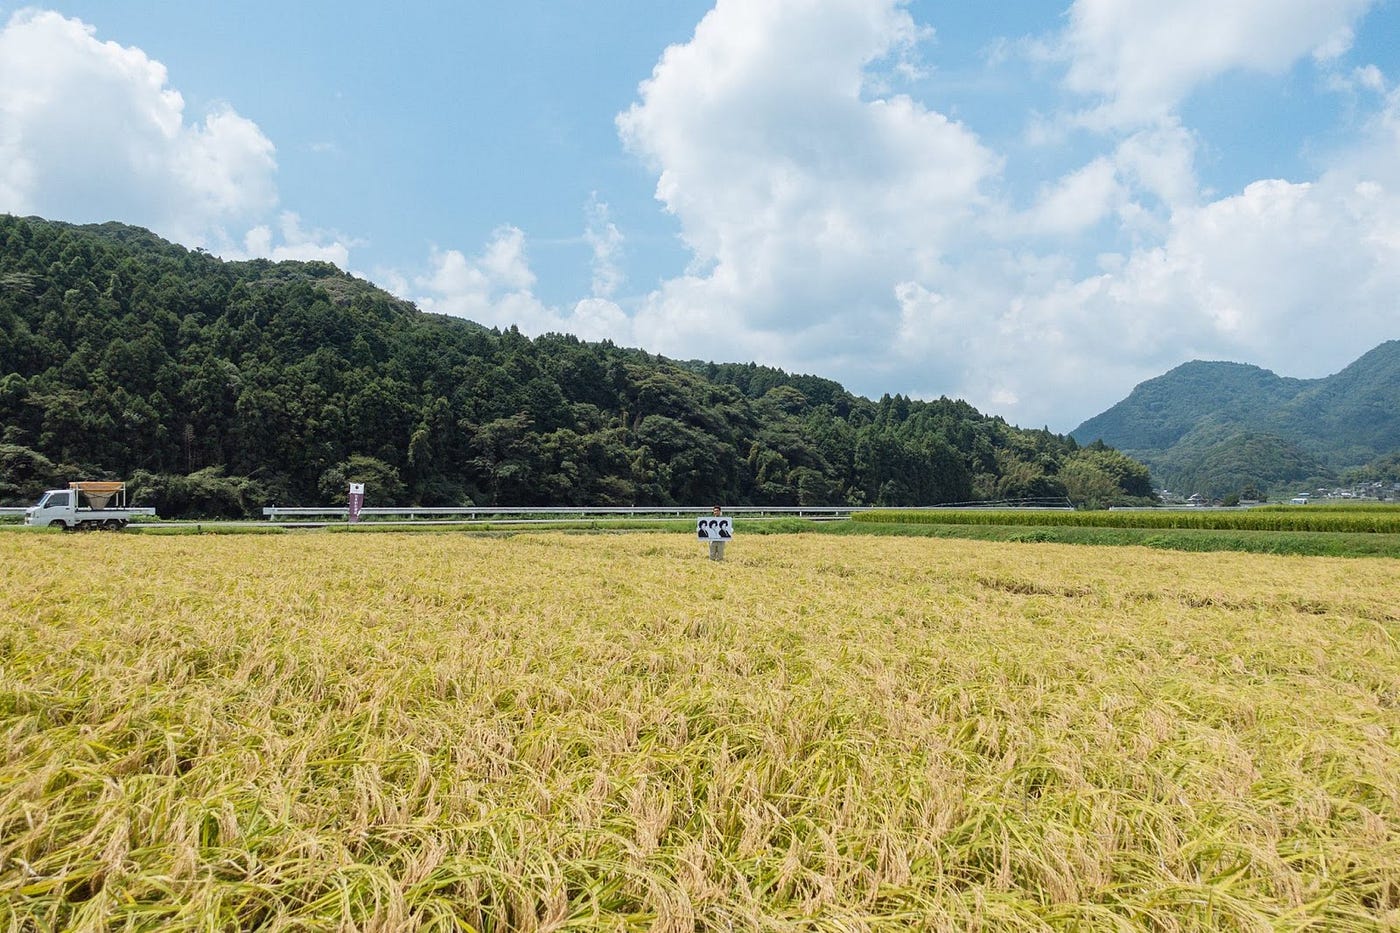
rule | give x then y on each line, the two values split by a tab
218	387
1215	427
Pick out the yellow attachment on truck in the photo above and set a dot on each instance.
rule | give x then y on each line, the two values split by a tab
99	493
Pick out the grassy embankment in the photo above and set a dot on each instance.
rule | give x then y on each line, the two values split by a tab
1316	530
611	732
989	526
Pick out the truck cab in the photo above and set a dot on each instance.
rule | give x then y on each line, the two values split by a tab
56	505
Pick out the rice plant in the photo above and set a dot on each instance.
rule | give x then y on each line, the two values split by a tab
1375	519
551	732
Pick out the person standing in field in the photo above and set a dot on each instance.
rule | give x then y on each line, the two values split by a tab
716	547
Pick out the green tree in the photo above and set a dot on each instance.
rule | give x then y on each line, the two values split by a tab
506	455
122	352
383	486
25	474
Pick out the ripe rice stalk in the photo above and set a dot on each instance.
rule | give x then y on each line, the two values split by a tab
561	732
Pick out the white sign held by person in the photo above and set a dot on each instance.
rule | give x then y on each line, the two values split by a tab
719	528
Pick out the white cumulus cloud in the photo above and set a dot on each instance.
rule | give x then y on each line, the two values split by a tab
868	237
92	131
801	196
1297	277
1078	201
1143	57
296	242
496	288
605	240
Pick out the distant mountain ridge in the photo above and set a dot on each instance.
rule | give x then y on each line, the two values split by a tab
1216	427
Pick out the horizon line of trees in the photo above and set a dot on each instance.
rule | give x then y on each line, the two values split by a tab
216	388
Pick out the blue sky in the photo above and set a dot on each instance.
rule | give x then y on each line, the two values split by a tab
1032	210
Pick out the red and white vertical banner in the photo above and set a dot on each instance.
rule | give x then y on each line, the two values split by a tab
357	500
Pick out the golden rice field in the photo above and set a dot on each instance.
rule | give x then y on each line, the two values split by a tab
550	732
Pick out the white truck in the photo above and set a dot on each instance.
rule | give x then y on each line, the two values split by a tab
85	505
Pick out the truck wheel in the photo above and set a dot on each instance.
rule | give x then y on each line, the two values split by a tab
58	523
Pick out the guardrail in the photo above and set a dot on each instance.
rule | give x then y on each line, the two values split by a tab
538	513
476	513
20	510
